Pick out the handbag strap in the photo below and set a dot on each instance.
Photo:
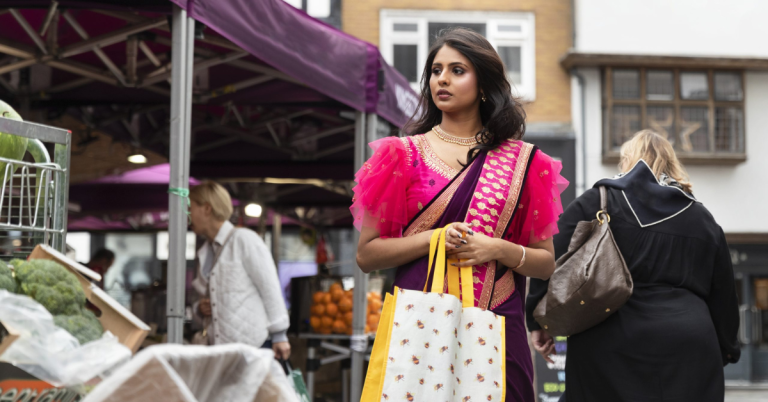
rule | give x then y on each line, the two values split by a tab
603	199
603	206
218	253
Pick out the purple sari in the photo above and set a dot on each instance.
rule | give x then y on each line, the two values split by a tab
413	276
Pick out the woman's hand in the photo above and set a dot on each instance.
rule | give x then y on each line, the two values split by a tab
544	344
282	350
473	248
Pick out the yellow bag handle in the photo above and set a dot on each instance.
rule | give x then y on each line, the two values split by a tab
455	276
439	274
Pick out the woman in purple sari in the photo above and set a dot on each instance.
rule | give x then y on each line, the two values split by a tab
472	170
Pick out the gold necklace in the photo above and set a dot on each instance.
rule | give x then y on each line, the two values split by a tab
472	141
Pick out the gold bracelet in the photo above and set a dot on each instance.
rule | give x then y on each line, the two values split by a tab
522	260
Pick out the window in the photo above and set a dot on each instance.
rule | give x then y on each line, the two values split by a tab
701	112
406	36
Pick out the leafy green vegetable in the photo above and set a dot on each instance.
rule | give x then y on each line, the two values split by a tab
85	327
6	278
51	285
59	291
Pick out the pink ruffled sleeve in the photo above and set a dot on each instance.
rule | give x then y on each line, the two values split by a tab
380	193
540	207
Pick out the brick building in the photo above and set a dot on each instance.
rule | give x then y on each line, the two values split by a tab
530	36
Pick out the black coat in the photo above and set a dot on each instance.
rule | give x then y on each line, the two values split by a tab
670	341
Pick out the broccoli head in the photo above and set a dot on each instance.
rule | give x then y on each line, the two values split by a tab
51	285
85	326
7	281
59	291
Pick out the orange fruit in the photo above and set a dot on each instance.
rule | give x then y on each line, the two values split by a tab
367	329
374	307
349	293
349	331
324	330
339	327
331	309
327	298
334	286
348	317
373	320
345	305
315	322
337	294
327	322
320	309
318	297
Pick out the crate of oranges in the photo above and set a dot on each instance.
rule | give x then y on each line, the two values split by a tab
331	311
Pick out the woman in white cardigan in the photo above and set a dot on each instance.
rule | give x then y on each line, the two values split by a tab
242	301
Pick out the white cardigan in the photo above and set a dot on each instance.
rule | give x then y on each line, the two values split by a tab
246	300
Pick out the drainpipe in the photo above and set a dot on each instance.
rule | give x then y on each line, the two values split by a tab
580	187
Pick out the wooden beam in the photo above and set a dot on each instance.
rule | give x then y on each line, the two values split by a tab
746	238
572	59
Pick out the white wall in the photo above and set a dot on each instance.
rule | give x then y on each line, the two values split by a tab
735	195
673	27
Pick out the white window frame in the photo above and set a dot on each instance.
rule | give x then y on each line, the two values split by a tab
526	39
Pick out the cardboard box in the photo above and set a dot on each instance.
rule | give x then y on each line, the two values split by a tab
115	318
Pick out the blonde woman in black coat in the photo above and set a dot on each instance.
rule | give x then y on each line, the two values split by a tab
670	341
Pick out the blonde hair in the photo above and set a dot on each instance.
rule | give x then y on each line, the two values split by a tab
215	195
658	153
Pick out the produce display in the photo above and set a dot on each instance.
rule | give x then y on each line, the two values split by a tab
59	291
332	311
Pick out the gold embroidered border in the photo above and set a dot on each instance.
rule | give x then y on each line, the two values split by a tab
473	214
485	294
430	158
429	217
504	288
506	284
408	153
515	190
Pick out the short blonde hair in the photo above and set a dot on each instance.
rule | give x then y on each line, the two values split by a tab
215	195
658	153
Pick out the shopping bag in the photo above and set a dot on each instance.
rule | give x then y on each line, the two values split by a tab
436	346
296	380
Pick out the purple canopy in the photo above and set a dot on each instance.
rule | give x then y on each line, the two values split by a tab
324	58
158	174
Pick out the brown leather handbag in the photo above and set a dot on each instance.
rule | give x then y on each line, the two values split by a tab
591	281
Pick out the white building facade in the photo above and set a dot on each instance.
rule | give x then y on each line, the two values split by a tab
697	72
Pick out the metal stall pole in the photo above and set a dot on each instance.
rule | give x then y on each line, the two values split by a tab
277	233
181	106
359	342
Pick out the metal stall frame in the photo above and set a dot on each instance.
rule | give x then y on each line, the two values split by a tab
55	231
182	64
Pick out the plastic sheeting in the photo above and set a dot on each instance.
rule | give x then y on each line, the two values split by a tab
51	353
233	372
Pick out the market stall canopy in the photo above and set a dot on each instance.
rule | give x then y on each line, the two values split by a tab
108	203
158	174
273	97
348	69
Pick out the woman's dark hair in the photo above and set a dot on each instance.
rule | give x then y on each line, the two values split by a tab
502	115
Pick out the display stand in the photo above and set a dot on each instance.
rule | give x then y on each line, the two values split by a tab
342	353
34	196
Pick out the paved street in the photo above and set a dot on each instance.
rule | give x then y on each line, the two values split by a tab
746	395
